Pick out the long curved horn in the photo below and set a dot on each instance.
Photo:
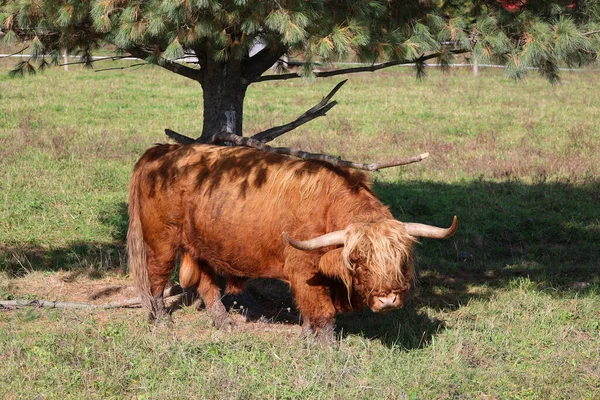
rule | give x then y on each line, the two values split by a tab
328	239
433	232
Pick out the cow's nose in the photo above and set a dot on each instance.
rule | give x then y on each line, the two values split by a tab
387	301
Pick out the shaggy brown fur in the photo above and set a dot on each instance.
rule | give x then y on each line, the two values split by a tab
225	208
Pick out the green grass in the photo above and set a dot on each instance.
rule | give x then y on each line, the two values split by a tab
508	308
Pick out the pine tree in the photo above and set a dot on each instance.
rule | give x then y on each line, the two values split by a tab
522	34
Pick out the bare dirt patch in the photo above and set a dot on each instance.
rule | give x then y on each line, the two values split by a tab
265	307
70	287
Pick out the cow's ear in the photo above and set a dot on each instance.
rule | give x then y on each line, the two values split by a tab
332	265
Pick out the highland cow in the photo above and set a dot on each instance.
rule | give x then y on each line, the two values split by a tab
241	213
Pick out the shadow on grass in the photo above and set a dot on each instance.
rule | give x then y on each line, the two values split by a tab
547	232
92	259
407	328
79	257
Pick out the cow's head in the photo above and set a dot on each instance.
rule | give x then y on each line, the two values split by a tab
376	259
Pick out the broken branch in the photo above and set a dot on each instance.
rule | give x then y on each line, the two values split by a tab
178	137
317	111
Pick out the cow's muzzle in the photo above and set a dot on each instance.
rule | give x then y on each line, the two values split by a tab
382	303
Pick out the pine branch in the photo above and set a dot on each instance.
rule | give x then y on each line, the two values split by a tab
112	58
371	68
180	69
256	65
317	111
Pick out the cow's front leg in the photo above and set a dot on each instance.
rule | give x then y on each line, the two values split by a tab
313	298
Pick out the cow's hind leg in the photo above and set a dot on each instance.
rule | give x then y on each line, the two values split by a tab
210	292
161	261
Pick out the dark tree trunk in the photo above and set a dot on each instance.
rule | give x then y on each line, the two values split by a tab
223	93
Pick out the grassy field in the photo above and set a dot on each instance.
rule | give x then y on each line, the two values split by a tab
508	308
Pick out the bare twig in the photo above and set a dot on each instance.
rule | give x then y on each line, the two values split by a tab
15	53
317	111
112	58
128	303
591	33
371	68
128	66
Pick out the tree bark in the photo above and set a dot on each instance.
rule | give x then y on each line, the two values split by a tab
223	93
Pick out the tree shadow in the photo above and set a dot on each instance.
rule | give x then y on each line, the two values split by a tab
406	328
116	217
270	300
79	257
546	232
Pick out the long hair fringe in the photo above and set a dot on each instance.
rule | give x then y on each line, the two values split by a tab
385	246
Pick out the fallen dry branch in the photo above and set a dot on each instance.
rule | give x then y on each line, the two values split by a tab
304	155
227	138
128	303
13	304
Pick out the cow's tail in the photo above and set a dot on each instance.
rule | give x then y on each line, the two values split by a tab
189	272
136	247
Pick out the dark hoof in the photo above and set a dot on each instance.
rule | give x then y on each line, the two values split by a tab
161	319
307	332
326	339
224	322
